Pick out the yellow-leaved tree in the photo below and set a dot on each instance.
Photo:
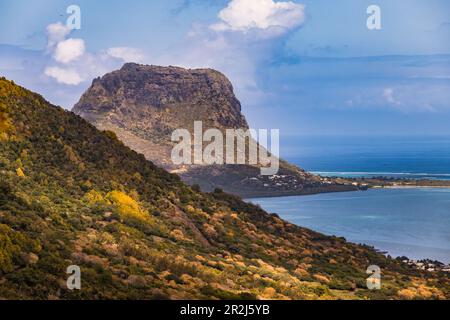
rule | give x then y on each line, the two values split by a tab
20	172
5	123
127	208
131	212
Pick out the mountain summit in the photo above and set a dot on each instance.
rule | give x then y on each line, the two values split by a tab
152	101
144	104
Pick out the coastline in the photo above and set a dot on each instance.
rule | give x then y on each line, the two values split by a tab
414	187
303	192
424	261
353	185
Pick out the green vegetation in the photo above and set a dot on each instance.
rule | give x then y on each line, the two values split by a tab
5	123
70	194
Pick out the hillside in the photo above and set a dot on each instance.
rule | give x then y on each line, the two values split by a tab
71	194
144	104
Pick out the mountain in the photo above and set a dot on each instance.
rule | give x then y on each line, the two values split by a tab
73	195
144	104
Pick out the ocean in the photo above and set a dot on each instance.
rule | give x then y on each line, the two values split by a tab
399	157
413	222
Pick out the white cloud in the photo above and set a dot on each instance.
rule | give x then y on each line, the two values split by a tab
388	95
239	56
56	32
69	50
243	41
127	54
243	15
245	38
64	75
72	64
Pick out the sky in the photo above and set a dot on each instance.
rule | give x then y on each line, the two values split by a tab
306	67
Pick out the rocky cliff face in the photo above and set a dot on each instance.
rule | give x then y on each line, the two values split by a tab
143	105
160	99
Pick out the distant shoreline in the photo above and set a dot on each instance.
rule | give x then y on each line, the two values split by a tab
357	184
415	187
390	182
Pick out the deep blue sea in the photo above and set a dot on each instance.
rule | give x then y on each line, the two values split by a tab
403	222
399	157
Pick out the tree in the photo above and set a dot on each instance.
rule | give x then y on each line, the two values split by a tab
5	123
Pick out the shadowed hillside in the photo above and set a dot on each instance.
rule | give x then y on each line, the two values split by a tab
70	194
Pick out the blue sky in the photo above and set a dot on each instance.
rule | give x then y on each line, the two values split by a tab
306	67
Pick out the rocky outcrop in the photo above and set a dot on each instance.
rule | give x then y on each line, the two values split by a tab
145	99
144	104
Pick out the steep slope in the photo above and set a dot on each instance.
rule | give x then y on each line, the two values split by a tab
143	105
72	195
